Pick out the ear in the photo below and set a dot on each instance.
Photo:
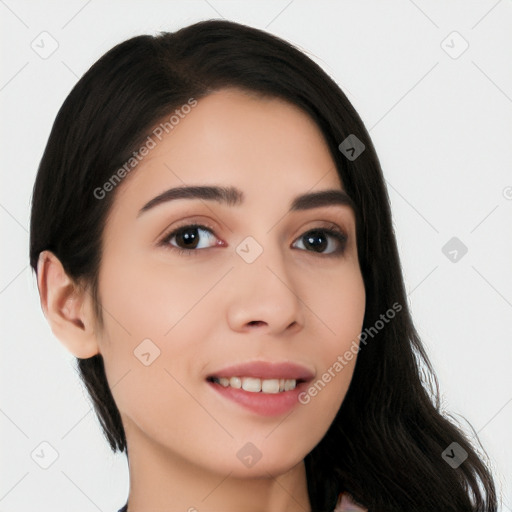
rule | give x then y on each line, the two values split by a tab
67	307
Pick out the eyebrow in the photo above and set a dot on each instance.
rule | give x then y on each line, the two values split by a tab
232	196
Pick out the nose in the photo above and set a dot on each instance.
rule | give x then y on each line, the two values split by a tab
264	296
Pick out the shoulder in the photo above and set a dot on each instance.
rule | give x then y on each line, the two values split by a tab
346	504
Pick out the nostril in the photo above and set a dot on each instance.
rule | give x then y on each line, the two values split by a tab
256	322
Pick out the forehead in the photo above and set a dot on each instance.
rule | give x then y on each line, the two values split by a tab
266	147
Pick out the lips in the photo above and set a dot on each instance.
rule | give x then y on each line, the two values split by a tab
281	384
265	370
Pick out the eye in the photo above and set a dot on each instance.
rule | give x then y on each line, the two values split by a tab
186	239
324	241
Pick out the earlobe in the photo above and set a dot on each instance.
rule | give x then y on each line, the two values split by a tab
67	307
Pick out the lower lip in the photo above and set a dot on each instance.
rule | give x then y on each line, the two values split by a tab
264	404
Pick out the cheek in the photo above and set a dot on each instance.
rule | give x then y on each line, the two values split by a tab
151	341
154	324
148	300
338	301
340	308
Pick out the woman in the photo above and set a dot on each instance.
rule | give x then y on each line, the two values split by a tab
212	240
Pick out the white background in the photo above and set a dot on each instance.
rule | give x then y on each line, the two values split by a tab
442	127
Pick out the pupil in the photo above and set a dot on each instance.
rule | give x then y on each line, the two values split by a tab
316	235
187	238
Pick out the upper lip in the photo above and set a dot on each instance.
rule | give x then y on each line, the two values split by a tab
266	370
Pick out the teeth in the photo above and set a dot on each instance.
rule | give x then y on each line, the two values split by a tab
289	384
270	386
235	382
255	385
251	384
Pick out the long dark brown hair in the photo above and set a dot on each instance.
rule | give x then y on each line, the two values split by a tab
386	444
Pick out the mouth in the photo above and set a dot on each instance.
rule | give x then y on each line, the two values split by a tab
257	385
267	389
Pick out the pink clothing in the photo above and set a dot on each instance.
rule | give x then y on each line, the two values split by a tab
345	504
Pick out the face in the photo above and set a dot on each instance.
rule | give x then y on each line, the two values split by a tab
191	286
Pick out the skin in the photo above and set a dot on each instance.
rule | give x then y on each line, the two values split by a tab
211	309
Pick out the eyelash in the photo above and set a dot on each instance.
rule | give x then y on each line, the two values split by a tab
334	231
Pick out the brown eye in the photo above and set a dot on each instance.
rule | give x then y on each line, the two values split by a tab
189	238
323	241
